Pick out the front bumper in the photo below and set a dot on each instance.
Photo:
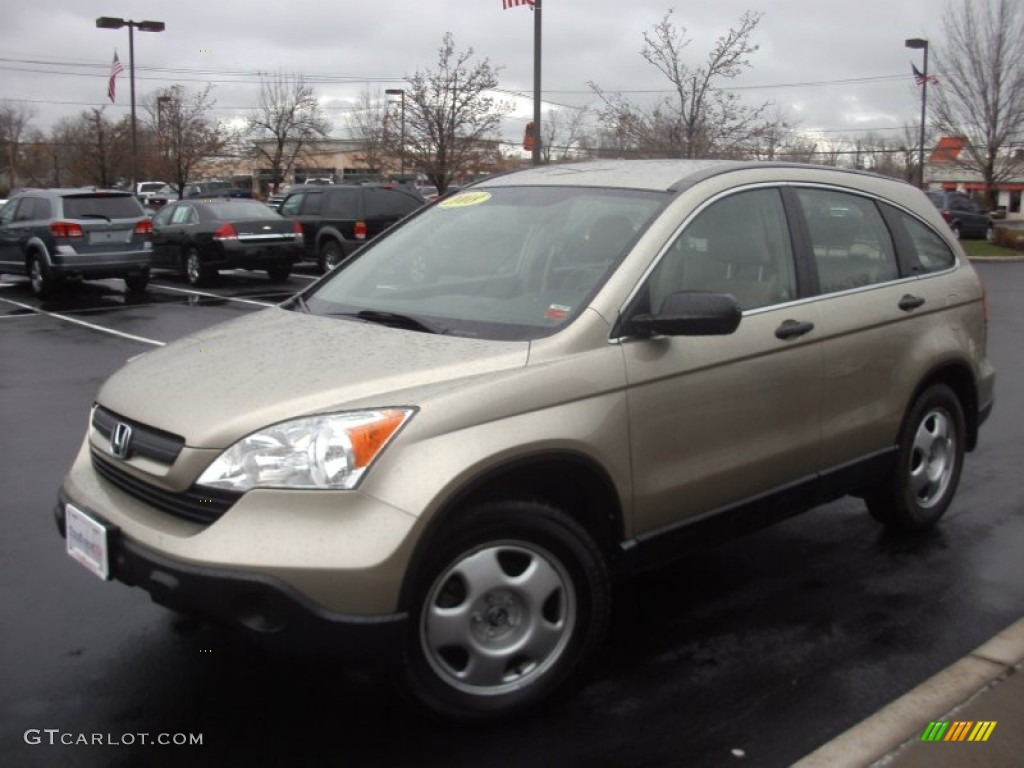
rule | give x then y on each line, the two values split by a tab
268	610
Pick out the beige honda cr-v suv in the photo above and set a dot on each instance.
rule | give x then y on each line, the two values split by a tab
444	451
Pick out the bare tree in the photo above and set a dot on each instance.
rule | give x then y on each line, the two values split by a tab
699	118
287	123
183	134
15	117
449	116
564	134
100	149
981	90
368	123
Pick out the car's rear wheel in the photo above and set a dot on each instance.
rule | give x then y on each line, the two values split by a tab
512	599
196	272
136	283
40	278
931	453
331	255
279	273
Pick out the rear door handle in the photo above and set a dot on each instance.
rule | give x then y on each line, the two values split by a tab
790	329
909	302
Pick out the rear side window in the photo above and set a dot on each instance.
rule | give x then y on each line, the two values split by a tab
931	251
102	207
852	246
342	203
33	209
313	203
389	202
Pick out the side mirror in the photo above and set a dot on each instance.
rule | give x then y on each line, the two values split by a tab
690	313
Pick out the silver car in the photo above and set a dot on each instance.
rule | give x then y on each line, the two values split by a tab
446	450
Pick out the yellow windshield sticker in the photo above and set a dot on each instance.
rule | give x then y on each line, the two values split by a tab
464	199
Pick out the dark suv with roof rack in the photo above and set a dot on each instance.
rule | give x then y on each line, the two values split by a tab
337	219
54	234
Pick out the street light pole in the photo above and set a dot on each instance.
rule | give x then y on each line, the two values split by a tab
401	152
918	43
110	22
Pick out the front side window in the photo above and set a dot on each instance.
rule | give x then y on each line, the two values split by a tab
738	245
851	244
498	263
292	204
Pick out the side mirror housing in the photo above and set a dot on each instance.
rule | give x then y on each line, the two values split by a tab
690	313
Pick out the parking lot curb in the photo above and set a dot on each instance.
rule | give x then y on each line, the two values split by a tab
901	723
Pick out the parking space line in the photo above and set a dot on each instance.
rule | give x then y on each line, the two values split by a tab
92	326
211	295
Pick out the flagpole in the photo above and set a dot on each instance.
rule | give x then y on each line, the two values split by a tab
536	82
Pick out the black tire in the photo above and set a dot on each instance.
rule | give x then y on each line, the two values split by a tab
41	280
137	282
331	255
931	455
513	598
196	272
279	273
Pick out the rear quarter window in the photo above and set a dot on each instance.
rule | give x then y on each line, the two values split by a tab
931	252
390	202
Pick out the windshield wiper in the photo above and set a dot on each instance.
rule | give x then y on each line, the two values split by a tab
393	320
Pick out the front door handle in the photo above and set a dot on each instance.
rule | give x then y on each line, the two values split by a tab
909	302
790	329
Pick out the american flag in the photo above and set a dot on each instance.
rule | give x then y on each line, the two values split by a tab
920	78
115	70
506	4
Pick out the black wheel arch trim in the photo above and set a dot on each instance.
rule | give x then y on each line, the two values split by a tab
605	523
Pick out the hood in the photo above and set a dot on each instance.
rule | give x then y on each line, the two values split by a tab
218	385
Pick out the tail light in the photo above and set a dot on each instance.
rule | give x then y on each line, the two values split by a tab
360	230
297	229
65	229
144	227
226	232
947	215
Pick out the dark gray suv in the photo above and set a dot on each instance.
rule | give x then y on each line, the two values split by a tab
54	234
965	217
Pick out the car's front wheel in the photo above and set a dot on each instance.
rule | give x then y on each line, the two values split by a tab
513	598
931	454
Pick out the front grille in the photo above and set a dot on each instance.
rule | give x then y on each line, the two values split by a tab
145	441
198	505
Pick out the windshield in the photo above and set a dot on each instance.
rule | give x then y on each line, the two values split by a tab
500	263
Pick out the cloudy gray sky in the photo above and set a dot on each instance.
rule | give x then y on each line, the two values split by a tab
833	66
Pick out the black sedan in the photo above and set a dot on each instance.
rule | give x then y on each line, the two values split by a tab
200	237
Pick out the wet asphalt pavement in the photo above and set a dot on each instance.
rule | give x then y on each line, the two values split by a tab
750	654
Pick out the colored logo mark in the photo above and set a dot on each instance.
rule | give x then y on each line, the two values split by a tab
959	730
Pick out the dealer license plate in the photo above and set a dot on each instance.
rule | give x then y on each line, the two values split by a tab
107	237
87	541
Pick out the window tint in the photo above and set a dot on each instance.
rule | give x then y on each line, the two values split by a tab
342	203
240	209
933	254
852	246
312	203
102	206
389	202
33	209
738	245
183	215
163	218
292	204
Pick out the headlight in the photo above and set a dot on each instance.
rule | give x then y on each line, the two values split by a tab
327	451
